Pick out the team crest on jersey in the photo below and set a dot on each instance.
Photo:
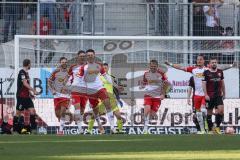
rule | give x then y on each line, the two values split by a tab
23	77
219	74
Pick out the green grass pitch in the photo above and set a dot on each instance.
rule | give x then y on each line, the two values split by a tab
120	147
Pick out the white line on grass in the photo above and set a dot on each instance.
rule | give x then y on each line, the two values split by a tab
73	141
174	155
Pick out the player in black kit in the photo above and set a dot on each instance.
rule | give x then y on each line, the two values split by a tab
214	90
25	93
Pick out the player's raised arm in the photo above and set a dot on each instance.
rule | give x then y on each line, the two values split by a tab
176	66
229	66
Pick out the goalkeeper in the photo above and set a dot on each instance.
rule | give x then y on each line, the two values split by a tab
113	93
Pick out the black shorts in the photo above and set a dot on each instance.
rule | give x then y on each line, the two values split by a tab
24	103
214	102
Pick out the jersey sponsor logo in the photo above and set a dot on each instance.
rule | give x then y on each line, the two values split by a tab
152	81
60	80
199	75
93	71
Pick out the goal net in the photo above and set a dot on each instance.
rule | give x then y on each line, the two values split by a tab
128	58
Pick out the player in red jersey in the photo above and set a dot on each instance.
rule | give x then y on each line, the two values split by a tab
95	88
199	98
57	85
214	91
78	90
153	83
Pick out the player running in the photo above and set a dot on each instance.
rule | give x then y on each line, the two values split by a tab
57	85
153	83
199	98
214	91
78	90
91	72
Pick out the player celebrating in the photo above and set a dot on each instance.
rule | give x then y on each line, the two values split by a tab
214	91
24	101
199	98
153	82
57	85
78	90
95	89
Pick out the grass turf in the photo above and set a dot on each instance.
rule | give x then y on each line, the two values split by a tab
119	147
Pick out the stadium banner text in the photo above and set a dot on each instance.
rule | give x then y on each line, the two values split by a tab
178	79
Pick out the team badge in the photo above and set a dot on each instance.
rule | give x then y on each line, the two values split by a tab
23	76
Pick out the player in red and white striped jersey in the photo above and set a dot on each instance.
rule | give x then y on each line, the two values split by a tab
78	89
95	88
153	83
57	85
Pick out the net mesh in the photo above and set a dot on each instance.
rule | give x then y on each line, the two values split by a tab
128	59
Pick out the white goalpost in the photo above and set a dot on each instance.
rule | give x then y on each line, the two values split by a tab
128	58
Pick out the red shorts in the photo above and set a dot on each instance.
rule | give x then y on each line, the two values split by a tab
154	103
61	102
100	95
199	101
79	98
